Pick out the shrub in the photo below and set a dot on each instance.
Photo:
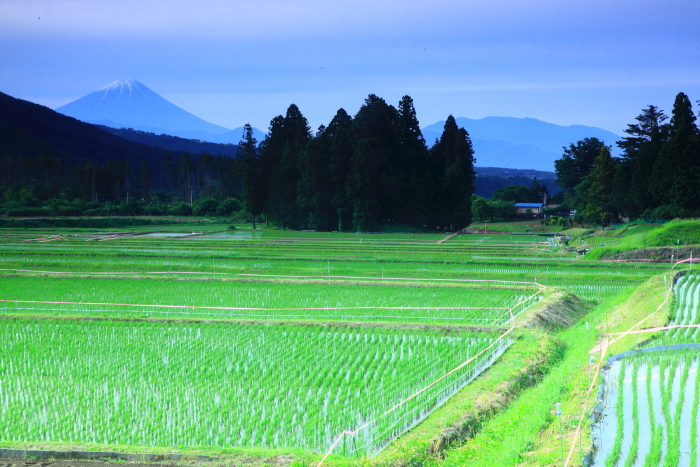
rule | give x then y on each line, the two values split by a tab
181	209
228	207
206	207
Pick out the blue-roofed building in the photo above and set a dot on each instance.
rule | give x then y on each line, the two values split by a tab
536	209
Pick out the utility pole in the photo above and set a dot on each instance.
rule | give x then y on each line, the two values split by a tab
543	195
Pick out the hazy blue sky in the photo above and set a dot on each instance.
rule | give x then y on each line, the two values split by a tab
594	62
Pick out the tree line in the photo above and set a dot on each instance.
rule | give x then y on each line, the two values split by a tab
179	184
657	176
354	174
358	172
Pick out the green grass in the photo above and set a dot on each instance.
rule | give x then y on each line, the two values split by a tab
527	433
671	370
633	453
614	456
527	226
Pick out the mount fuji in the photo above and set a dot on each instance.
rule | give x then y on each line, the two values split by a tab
130	104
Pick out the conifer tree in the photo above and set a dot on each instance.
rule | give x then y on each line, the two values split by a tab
362	188
253	189
598	207
453	161
679	162
635	175
295	133
413	163
270	150
374	128
341	151
314	189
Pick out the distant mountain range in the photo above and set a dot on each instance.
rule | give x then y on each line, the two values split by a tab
130	104
522	143
507	142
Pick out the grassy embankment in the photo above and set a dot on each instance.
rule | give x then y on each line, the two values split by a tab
529	432
638	241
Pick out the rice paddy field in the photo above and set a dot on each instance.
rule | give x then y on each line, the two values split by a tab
686	312
650	415
654	417
183	384
262	342
489	304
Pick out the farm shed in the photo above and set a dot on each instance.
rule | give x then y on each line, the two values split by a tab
534	208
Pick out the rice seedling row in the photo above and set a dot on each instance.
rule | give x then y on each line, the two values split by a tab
185	384
650	412
438	260
686	311
485	306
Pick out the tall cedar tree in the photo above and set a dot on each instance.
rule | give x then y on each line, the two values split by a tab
342	146
363	187
270	150
678	165
294	134
314	189
413	168
453	160
249	160
598	208
635	176
374	181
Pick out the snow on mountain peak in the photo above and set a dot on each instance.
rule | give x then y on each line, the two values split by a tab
121	84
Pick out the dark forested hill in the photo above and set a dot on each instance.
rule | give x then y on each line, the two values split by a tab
41	132
173	143
55	155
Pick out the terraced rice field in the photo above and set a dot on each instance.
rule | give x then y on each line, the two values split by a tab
184	384
483	304
686	312
261	339
491	257
650	415
651	412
